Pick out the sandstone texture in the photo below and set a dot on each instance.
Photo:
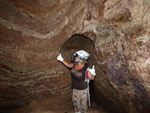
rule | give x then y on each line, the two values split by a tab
115	32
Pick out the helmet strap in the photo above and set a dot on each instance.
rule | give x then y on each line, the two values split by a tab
80	59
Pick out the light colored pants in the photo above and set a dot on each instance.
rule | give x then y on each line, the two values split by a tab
80	98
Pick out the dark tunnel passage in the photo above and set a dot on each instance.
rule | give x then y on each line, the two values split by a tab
77	42
80	42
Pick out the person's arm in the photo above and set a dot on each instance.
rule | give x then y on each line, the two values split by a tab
61	59
69	65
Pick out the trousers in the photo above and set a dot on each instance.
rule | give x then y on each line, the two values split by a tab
80	100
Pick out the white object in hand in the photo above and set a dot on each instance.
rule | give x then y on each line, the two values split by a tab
60	58
92	71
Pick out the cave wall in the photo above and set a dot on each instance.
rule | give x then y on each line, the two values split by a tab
122	46
32	33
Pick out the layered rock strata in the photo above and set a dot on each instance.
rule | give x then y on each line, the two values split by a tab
32	33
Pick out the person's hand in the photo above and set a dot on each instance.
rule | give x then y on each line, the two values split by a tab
60	58
92	71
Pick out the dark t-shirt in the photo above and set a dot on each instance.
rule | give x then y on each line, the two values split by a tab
78	78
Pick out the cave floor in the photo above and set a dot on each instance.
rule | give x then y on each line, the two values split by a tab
54	105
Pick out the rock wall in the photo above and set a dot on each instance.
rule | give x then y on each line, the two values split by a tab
122	46
32	33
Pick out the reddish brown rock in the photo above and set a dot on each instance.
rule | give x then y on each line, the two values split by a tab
32	33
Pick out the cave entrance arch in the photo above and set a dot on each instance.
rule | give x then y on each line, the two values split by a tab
80	42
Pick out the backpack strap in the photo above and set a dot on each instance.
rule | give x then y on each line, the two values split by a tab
86	76
87	80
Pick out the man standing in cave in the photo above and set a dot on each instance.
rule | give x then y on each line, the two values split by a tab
81	75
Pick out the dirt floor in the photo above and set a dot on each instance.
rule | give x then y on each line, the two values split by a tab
54	105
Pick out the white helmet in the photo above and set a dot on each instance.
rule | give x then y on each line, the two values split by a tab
82	54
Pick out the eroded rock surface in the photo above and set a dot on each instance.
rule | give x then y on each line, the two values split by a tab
123	53
33	32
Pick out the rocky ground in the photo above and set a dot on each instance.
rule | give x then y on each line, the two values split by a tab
54	105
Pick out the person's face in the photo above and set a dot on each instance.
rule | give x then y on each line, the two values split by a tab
77	59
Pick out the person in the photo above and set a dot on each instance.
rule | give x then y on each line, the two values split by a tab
81	75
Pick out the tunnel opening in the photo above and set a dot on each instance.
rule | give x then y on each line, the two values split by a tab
77	42
80	42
